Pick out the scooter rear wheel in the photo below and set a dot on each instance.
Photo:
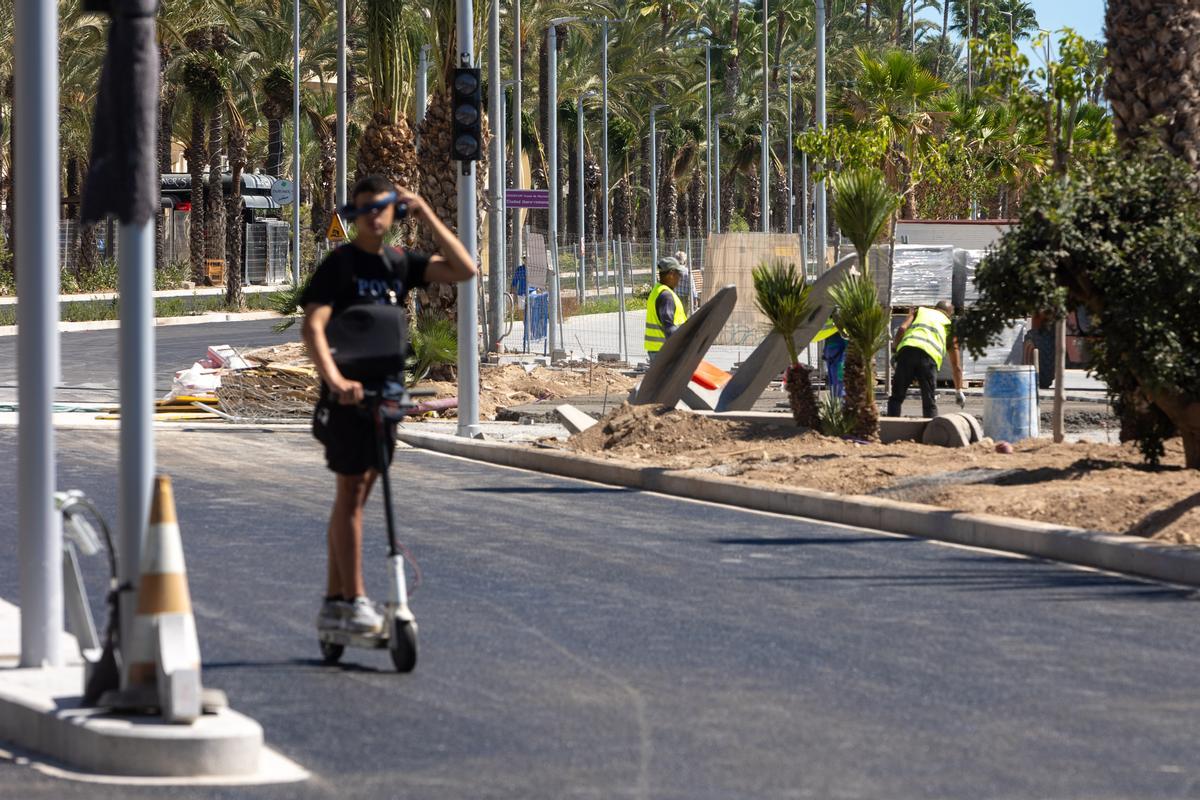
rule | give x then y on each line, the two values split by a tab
403	645
332	653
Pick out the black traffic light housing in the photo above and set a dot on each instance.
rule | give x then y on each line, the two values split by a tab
467	142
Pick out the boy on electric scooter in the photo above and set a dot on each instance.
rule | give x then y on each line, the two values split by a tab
365	271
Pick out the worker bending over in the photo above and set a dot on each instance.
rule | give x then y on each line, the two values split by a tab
921	344
664	310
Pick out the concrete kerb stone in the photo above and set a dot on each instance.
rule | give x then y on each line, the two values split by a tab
1117	553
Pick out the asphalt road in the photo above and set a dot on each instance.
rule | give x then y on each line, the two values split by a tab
90	358
580	641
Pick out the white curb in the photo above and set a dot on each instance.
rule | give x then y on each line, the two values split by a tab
111	324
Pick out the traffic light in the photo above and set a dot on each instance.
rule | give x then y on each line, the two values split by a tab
467	141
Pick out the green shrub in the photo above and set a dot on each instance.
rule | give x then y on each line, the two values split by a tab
1121	237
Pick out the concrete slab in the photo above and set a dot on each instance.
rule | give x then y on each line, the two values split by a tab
683	351
948	430
770	358
700	398
573	419
902	429
40	712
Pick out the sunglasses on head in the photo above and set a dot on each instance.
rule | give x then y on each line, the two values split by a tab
352	212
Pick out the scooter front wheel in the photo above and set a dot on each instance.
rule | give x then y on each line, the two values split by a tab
403	645
332	653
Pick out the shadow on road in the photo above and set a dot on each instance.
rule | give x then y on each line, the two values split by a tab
814	540
307	663
547	489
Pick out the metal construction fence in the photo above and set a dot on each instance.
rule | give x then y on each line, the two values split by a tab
592	319
266	243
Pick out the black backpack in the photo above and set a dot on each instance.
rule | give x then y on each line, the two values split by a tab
368	342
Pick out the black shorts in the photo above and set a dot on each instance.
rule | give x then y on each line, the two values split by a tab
348	434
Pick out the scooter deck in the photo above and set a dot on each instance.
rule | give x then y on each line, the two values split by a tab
376	641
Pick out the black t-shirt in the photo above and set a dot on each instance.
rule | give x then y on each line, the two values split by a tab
351	276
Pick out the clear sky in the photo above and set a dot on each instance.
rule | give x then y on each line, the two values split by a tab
1085	16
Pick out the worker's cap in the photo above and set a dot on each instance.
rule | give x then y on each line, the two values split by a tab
668	264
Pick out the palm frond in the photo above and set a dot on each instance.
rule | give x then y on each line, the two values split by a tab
862	207
781	294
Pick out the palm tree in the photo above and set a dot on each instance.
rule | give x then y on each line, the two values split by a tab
782	296
897	95
386	146
863	207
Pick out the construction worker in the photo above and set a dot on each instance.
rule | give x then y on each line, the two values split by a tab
664	310
922	341
365	271
835	357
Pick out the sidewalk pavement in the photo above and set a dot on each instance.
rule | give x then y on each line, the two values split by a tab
40	714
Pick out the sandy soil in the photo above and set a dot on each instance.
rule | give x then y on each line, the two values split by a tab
1096	486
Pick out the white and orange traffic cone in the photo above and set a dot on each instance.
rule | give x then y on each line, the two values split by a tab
163	649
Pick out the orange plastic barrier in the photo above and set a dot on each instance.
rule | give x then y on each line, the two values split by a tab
710	376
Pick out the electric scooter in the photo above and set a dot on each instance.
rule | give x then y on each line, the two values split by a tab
389	403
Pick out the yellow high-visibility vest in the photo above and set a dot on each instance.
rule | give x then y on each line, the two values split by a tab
928	332
829	330
656	335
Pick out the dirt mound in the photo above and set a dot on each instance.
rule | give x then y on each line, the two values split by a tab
1084	484
512	385
657	430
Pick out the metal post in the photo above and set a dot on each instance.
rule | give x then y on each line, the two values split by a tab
35	41
791	145
819	193
516	132
296	142
624	349
654	189
604	154
805	227
422	98
496	257
717	174
552	178
468	302
581	193
341	104
764	184
136	349
708	171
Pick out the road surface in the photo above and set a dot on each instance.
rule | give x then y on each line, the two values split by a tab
581	641
90	358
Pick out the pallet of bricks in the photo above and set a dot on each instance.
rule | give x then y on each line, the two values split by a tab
922	275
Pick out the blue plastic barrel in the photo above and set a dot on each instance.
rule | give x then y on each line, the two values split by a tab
1010	403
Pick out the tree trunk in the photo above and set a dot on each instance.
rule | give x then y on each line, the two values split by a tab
937	68
326	199
574	190
802	399
753	203
275	147
733	69
1151	77
75	190
900	22
234	297
867	16
197	157
166	115
215	214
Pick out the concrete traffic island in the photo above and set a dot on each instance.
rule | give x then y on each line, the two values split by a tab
1132	555
40	714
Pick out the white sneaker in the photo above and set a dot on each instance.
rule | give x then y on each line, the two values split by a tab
360	616
331	614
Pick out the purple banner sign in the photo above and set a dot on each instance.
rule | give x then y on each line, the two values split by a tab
527	198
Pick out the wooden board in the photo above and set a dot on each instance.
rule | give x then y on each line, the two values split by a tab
770	358
683	351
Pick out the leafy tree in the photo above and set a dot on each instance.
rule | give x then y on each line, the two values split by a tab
1122	239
